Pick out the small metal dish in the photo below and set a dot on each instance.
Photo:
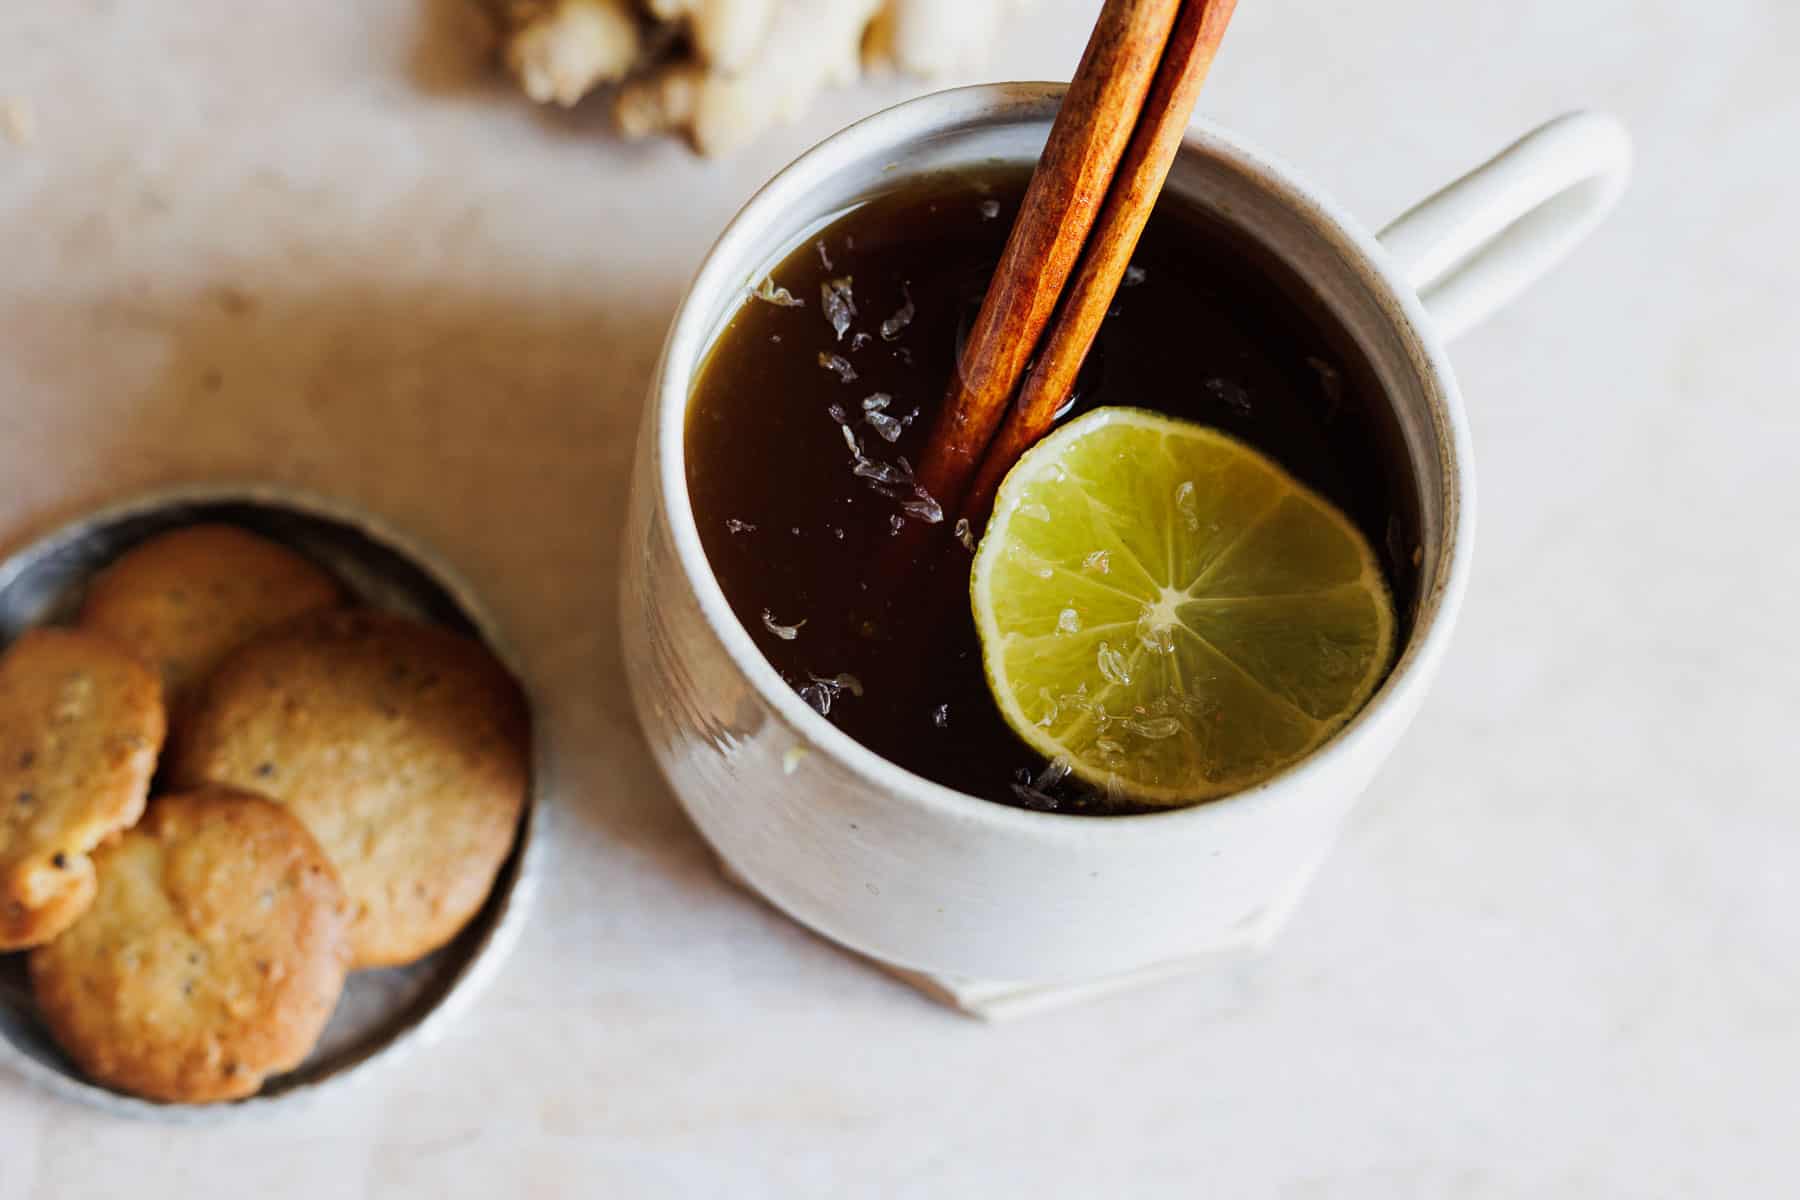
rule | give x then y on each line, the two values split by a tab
383	1014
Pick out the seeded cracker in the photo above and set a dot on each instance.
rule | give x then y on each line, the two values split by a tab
401	746
212	957
185	599
81	722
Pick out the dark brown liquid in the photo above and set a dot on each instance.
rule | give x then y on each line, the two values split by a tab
1211	330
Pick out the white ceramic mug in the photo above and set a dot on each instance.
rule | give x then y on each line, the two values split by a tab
924	877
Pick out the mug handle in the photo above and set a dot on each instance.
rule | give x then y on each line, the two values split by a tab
1472	246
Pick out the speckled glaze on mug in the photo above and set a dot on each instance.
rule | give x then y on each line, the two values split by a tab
923	877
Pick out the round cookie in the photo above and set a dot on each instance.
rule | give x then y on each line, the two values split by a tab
185	599
81	723
211	957
403	747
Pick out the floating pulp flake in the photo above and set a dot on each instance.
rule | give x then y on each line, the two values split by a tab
1112	665
824	255
923	507
780	297
965	535
880	472
888	427
840	305
1068	621
838	414
1188	505
838	365
903	316
823	692
1033	798
1155	728
850	441
940	716
859	340
786	633
990	209
1134	275
894	480
737	526
1097	563
1054	772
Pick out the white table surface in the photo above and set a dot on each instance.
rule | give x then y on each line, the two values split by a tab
1557	953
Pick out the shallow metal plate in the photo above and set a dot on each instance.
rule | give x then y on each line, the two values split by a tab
383	1013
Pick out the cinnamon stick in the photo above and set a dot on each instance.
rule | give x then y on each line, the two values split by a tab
1092	129
1135	187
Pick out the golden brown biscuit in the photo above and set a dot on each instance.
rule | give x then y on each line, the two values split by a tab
402	746
81	723
185	599
211	958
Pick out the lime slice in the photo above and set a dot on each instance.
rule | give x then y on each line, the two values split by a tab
1169	613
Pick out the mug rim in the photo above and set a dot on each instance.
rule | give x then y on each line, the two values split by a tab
687	342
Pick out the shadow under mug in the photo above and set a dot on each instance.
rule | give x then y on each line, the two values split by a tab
923	877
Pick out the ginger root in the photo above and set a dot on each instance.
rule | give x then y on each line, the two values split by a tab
719	72
935	37
562	49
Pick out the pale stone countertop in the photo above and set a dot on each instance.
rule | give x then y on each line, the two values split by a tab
1557	954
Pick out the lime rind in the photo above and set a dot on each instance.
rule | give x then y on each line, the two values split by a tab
1169	612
